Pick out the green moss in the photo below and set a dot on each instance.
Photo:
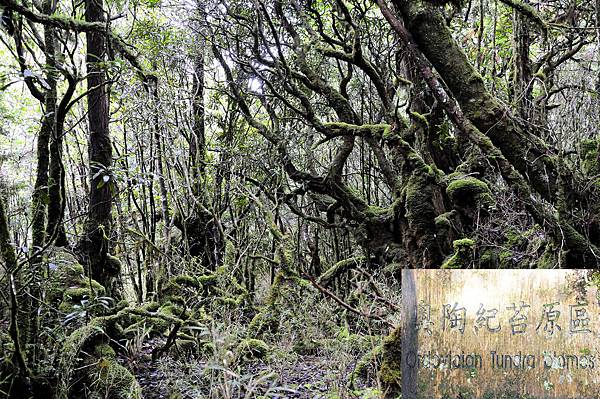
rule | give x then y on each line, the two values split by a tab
487	259
421	119
66	307
175	300
111	380
419	205
445	219
186	281
377	130
251	348
171	309
231	302
76	294
367	362
505	256
64	271
590	156
76	268
463	254
208	280
595	280
73	345
230	254
105	351
339	268
122	304
390	371
113	264
469	191
515	238
375	211
262	322
73	295
548	260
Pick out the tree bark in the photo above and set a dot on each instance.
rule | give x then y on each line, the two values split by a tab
40	198
94	244
529	155
56	186
522	71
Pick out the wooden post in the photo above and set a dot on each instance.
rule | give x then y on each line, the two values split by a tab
409	335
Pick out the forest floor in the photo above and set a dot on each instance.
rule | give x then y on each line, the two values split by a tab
324	375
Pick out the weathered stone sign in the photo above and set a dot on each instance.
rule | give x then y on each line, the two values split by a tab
497	333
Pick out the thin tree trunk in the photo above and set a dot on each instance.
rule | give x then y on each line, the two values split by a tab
522	75
56	186
198	142
9	257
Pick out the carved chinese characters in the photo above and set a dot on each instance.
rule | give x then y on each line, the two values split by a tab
490	332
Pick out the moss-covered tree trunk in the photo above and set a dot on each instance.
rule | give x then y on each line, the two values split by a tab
537	165
56	184
522	87
40	198
94	244
529	155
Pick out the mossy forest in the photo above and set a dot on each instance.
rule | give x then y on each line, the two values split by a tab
215	199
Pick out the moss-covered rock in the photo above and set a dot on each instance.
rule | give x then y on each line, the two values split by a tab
67	285
463	255
444	221
104	350
111	380
250	348
180	286
264	321
151	306
88	367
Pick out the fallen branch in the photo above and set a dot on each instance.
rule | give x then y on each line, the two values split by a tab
352	309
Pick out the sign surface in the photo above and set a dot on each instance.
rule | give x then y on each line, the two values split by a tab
501	333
